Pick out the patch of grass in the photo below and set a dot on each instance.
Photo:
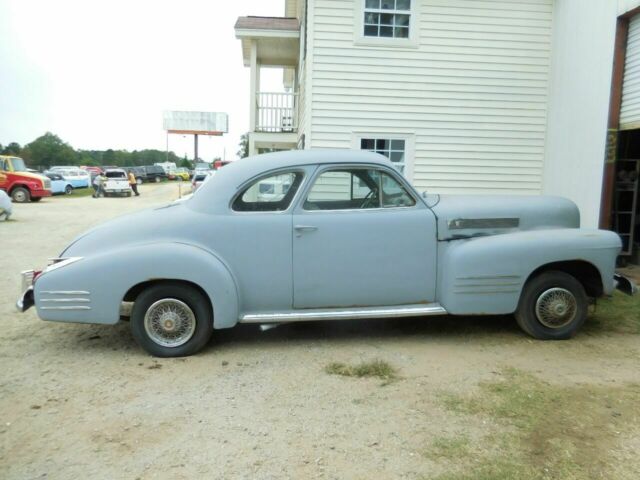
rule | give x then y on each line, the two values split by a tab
375	368
79	193
619	314
548	431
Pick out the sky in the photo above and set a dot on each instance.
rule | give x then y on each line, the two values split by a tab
99	74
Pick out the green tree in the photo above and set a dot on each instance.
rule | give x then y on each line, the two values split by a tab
243	146
49	150
12	149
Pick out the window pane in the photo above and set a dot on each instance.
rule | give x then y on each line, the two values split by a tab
273	193
382	144
344	190
367	144
403	4
394	194
397	157
401	32
371	30
372	18
373	4
397	144
386	19
402	20
386	31
388	4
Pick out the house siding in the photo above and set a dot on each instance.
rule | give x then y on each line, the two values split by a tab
472	93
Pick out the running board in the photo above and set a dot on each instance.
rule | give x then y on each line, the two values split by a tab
345	313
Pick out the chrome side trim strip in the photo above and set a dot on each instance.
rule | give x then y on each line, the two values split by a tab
79	300
479	223
71	307
345	313
66	292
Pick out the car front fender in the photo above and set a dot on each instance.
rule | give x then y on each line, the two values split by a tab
485	275
91	289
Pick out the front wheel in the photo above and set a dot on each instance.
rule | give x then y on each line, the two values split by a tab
20	195
171	320
68	189
553	306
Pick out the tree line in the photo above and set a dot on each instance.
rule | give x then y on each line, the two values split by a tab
49	150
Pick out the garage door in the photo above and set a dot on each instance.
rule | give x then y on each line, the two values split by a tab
630	111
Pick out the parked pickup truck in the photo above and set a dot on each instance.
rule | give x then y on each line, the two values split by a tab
116	183
22	185
346	237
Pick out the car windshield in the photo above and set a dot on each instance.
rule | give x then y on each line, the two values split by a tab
18	164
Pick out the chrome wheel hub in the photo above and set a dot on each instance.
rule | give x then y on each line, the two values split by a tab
556	308
170	322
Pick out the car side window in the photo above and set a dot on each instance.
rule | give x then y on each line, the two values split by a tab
357	188
269	194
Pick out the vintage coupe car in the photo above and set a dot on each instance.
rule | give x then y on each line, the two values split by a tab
346	237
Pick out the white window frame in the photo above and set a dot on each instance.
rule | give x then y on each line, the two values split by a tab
409	147
410	42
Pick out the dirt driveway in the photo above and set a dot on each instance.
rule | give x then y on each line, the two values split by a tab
465	398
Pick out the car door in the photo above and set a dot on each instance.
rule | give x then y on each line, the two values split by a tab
362	238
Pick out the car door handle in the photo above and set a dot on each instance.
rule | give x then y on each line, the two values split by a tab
304	228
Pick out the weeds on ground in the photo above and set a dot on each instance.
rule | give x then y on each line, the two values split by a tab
375	368
547	431
618	314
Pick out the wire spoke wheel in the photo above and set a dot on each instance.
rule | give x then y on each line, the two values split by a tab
169	322
556	307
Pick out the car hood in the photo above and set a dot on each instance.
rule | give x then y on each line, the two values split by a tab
147	226
464	216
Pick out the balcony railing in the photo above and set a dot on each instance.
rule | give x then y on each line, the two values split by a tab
276	112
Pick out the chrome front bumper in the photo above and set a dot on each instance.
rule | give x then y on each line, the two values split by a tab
26	300
625	285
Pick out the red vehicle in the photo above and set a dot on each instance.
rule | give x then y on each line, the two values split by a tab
22	185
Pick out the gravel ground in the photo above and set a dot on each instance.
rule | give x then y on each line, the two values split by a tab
83	401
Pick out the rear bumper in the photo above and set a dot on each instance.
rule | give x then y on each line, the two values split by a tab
625	285
26	300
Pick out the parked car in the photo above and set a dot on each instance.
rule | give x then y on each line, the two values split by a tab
181	174
6	208
154	173
93	170
198	179
59	184
23	186
78	177
116	183
349	238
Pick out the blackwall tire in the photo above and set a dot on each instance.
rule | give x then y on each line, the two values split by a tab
68	189
553	306
171	320
20	195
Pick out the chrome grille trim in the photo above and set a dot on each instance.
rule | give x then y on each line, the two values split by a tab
71	307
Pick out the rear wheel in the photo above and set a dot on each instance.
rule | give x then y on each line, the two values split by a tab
553	306
20	195
157	179
139	180
171	320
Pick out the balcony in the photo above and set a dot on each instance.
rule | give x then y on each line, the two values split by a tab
276	112
271	42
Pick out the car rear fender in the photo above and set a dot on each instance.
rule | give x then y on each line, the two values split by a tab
99	283
485	275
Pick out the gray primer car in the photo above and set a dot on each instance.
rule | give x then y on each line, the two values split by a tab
345	238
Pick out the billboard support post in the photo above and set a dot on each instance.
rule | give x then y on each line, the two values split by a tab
195	123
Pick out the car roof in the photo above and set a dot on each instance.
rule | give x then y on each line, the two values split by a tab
229	178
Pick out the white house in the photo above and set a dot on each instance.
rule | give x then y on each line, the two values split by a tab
475	96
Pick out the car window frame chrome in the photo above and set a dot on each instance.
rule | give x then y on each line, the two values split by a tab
302	169
360	166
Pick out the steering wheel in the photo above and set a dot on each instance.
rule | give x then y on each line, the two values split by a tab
369	198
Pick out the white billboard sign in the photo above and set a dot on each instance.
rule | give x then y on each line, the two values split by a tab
200	123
